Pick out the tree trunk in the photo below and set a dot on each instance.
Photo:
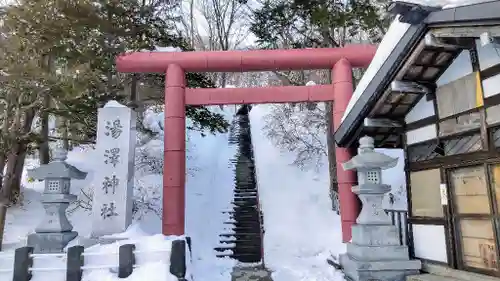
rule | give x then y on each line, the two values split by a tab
3	214
44	148
15	162
65	134
3	159
330	143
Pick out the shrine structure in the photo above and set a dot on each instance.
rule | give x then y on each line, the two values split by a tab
177	96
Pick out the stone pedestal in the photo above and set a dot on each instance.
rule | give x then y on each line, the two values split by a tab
50	242
375	252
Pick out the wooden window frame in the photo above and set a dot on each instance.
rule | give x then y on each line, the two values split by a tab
455	218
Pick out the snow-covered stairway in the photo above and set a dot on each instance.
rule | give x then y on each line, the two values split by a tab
244	240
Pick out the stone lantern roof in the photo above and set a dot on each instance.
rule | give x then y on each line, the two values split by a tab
368	158
58	168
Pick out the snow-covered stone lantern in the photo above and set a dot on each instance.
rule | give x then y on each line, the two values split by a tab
375	251
55	231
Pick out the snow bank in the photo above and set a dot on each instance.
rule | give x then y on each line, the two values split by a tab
209	193
301	230
152	260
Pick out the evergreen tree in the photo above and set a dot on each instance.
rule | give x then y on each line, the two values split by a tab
58	59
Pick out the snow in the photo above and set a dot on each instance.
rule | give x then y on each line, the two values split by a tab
395	32
301	230
113	103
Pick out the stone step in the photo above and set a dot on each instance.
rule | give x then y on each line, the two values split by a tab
249	234
252	191
245	197
245	190
242	257
243	223
244	241
240	248
430	277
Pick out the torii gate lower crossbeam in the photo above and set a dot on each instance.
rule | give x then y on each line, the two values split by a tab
175	65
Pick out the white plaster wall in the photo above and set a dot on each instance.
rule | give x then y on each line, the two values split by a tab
422	109
491	86
429	242
460	67
396	178
488	55
421	134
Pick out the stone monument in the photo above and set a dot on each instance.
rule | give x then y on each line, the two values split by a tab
374	253
55	230
113	181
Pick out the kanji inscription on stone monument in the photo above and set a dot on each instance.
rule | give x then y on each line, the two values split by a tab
112	201
112	156
114	128
110	183
108	210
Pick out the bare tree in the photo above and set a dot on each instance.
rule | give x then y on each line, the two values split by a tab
216	25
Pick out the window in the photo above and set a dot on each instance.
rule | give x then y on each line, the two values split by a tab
462	144
460	124
425	193
478	244
458	96
470	189
426	151
474	217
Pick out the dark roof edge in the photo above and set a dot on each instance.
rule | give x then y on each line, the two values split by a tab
382	78
476	12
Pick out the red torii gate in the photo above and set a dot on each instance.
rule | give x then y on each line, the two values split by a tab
176	64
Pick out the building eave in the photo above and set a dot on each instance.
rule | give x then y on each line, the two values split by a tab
351	127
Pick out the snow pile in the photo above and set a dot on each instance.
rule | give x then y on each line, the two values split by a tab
209	193
152	260
301	230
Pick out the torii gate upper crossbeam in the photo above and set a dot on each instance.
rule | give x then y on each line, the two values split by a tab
241	61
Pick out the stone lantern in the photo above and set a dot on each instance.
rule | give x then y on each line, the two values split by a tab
375	252
55	231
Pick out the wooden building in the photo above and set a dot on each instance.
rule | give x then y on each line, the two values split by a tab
433	89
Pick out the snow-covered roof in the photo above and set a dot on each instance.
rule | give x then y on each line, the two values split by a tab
386	47
395	49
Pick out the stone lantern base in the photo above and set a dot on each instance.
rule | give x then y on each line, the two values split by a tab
375	255
50	242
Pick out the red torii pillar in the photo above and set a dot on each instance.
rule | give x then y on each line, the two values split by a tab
176	64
